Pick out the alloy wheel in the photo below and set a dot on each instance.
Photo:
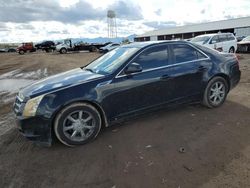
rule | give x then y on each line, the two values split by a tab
217	93
79	125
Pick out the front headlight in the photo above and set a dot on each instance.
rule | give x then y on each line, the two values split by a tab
31	106
20	96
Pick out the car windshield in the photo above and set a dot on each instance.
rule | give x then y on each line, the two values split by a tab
246	39
111	61
203	39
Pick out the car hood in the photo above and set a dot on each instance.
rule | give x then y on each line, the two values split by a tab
58	81
244	42
200	43
59	46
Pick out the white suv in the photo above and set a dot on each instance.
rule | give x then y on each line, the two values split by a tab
223	42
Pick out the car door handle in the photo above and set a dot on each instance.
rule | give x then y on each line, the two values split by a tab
166	77
201	68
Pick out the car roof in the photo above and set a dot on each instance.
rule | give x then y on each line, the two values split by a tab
212	34
150	43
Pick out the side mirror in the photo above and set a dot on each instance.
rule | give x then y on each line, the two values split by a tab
133	68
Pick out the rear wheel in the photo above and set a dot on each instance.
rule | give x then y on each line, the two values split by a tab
216	92
231	50
77	124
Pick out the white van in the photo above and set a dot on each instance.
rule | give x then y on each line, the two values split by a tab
223	42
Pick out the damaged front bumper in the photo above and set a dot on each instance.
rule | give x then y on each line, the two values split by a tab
36	129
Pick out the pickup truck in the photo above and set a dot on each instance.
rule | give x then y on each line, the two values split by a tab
68	46
26	47
46	46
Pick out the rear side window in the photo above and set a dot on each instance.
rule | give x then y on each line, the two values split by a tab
184	53
153	57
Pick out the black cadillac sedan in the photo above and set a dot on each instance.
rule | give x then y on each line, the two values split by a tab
125	82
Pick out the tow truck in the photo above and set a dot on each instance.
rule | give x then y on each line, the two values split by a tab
68	46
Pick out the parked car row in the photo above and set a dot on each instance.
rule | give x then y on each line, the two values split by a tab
66	46
223	42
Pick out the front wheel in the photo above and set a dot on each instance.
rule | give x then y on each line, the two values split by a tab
93	49
77	124
216	92
21	52
63	51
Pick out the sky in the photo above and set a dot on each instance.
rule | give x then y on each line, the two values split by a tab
37	20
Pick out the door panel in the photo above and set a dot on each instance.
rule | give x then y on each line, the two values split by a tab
141	90
188	71
187	79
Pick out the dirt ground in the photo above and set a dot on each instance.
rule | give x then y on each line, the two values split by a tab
142	152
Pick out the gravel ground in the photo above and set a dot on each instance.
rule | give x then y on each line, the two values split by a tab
143	152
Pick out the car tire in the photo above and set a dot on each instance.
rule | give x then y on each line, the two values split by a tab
215	93
231	50
21	52
79	130
63	51
93	49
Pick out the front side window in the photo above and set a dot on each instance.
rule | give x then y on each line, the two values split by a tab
230	37
214	40
184	53
201	39
153	57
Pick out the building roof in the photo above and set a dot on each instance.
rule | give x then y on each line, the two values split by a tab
209	26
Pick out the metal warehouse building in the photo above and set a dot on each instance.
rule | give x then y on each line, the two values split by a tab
238	26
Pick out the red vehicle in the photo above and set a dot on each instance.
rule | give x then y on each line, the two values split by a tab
26	47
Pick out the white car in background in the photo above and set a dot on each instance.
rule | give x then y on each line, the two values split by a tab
223	42
108	47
